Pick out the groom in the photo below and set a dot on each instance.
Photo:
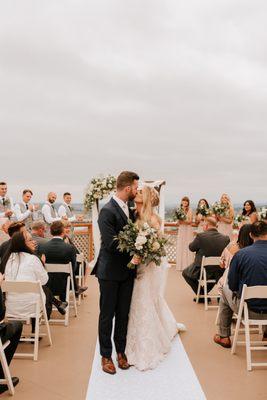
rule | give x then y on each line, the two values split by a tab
115	279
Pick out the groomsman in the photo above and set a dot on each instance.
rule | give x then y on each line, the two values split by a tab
6	203
24	210
66	209
49	211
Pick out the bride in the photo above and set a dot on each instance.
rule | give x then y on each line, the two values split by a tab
152	325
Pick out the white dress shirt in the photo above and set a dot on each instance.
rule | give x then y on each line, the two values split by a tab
46	211
20	215
63	213
123	205
2	214
23	267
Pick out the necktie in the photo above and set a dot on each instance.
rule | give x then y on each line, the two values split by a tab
27	207
4	201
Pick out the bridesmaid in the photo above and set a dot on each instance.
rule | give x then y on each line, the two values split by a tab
199	218
184	257
225	223
250	212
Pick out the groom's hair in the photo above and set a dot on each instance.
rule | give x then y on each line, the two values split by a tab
126	178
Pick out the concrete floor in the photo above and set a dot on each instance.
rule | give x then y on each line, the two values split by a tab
63	370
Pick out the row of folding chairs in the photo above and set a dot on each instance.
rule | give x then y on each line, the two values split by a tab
40	314
242	318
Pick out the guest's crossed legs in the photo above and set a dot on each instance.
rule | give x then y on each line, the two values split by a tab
115	300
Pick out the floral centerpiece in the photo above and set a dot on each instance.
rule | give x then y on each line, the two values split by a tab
263	213
145	242
203	210
219	209
98	189
180	215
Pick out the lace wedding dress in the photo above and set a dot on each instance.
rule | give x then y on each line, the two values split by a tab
152	325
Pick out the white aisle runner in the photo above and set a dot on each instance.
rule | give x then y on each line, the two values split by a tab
173	379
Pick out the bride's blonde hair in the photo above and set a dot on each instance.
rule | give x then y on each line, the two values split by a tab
150	200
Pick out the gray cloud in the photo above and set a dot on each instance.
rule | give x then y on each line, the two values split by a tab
174	90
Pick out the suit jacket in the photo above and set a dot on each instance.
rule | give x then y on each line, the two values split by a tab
210	243
111	263
3	249
58	252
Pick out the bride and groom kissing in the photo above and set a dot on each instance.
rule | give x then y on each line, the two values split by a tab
144	325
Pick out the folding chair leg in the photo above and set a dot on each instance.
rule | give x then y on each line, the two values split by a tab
7	372
47	327
247	336
68	300
199	286
36	340
205	290
237	327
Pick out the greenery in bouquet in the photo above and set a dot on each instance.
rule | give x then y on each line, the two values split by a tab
238	219
219	209
98	189
263	213
203	210
179	214
144	242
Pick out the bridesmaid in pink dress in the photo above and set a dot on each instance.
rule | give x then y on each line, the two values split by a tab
225	223
250	212
184	257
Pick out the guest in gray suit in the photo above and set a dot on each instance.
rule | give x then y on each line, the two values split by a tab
38	232
210	243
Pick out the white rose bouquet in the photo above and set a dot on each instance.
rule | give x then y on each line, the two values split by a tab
180	215
203	210
219	209
238	219
98	189
146	243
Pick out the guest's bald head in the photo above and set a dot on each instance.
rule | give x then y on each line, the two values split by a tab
210	223
51	197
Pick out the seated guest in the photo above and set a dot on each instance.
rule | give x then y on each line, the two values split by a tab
8	331
6	203
24	210
21	264
66	209
49	211
248	266
244	239
56	251
38	232
13	227
210	243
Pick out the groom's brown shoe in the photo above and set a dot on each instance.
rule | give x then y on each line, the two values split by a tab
122	361
108	366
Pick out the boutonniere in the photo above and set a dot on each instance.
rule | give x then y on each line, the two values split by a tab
6	203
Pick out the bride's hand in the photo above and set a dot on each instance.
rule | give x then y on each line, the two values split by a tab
136	260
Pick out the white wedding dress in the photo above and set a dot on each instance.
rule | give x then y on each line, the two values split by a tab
152	325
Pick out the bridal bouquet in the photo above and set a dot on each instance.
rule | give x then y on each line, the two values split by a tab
263	213
203	210
98	189
180	215
219	209
145	242
238	219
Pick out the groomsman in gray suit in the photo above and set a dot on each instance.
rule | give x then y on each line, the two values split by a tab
24	210
66	209
49	210
210	243
6	203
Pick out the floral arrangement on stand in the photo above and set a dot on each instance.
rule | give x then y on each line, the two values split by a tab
98	189
145	243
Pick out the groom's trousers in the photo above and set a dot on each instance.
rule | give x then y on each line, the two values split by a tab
115	301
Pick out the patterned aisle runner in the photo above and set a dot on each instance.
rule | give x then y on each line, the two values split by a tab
173	379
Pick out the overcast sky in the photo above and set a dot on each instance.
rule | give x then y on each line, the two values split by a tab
171	89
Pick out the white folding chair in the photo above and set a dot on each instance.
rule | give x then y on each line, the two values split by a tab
38	315
67	269
252	292
203	281
8	379
80	277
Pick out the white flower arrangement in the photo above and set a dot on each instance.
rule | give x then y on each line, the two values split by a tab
98	189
